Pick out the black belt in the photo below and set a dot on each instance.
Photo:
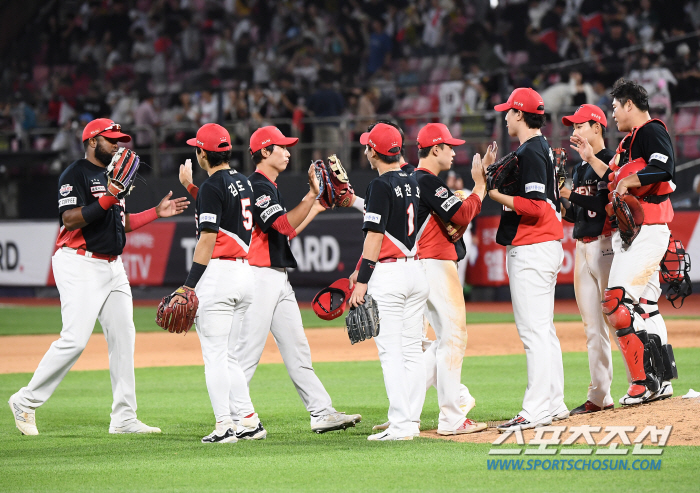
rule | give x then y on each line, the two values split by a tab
656	199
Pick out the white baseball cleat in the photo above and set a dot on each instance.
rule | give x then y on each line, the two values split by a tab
225	432
466	401
385	436
561	415
135	426
251	428
664	392
25	419
467	426
334	421
520	423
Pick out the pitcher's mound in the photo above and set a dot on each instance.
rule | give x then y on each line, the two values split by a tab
680	413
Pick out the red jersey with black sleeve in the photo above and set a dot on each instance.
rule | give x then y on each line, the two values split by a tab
437	199
391	207
537	184
269	247
224	205
81	184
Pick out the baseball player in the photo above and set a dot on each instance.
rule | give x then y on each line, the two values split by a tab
274	307
594	254
223	280
531	230
389	272
92	282
439	254
644	166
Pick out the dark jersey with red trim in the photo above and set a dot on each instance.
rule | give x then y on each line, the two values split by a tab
391	208
269	248
436	197
408	168
538	182
81	184
653	143
587	182
224	206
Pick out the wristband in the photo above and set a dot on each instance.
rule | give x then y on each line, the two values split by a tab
98	210
193	190
366	270
195	274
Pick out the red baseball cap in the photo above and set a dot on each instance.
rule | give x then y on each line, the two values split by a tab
383	138
523	99
434	134
330	302
106	128
585	113
211	137
266	136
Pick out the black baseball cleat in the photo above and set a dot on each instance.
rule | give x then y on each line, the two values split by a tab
257	433
588	407
221	436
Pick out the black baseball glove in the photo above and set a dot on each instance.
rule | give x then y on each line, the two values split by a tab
504	175
362	322
560	165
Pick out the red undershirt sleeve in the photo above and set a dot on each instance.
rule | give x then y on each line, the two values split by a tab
193	190
530	207
470	207
281	225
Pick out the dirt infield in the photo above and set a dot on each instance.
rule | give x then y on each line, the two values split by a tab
20	354
679	413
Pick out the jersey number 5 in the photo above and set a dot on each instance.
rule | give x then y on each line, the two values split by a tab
411	215
247	215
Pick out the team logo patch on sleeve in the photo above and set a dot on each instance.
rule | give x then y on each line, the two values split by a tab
447	204
371	217
96	189
207	218
659	157
267	213
68	201
65	189
534	187
262	201
441	193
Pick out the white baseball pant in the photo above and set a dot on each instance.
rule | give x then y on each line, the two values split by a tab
90	290
225	292
532	270
446	312
401	290
591	270
275	309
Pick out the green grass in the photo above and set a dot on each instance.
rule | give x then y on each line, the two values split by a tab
75	453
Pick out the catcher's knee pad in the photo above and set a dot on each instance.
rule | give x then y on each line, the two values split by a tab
617	307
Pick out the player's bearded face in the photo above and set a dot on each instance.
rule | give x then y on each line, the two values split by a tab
105	150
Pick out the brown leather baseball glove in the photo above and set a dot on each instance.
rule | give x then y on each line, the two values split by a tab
176	311
629	214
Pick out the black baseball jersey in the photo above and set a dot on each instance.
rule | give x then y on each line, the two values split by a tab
224	205
588	198
269	247
653	143
537	181
408	168
391	208
81	184
435	196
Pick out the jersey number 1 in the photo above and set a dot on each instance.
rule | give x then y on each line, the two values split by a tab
411	214
247	215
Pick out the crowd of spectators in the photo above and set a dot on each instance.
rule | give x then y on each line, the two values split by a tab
247	62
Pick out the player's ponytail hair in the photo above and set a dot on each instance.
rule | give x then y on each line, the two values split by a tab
628	90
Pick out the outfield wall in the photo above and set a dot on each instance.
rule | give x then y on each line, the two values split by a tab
161	252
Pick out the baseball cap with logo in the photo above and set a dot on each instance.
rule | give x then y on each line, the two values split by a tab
267	136
523	99
383	138
586	113
211	137
330	302
434	134
106	128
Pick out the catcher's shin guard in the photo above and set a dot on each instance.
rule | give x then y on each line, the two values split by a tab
665	361
641	359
